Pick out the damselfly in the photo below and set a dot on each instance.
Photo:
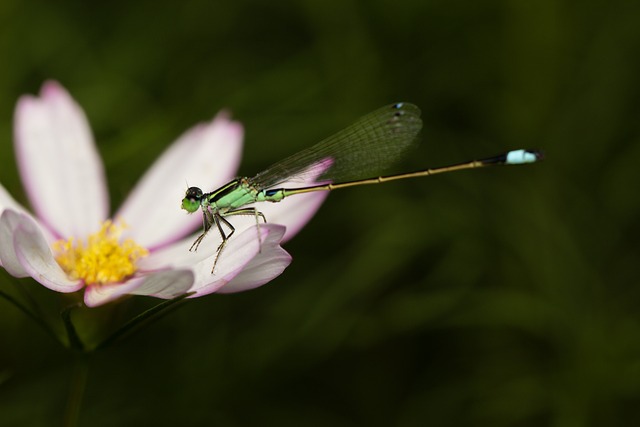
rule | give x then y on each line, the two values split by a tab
354	156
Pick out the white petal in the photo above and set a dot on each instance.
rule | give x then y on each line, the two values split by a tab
34	254
237	255
207	155
263	268
59	163
96	295
9	221
294	212
8	202
177	255
165	284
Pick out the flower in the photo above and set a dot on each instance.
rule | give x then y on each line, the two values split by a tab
70	243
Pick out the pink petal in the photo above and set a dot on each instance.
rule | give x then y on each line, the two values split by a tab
34	254
177	255
207	155
9	222
96	295
59	163
263	268
244	264
164	284
8	202
294	212
237	255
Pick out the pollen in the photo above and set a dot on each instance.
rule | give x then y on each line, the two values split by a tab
103	258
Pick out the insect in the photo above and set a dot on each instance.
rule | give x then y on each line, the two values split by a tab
354	156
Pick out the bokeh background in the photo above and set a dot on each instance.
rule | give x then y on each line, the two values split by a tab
501	297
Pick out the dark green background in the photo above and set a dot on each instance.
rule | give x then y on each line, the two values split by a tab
502	297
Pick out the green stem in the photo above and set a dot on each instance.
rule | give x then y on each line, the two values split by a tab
78	386
153	314
72	335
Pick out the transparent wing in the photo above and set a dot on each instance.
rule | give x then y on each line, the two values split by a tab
362	150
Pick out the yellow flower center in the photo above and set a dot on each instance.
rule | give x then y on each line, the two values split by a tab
104	258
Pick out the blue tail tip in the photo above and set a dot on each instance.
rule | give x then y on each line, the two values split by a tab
518	157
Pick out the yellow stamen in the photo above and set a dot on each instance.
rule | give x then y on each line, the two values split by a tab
104	259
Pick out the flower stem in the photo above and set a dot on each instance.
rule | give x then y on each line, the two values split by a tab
76	393
72	335
153	314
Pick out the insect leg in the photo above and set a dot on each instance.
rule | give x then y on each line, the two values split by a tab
251	211
207	220
219	219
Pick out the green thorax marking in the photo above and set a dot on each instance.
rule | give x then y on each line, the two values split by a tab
231	196
238	193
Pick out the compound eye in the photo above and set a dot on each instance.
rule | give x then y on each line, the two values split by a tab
194	193
192	198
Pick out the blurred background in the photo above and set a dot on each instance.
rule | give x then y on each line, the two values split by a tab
500	297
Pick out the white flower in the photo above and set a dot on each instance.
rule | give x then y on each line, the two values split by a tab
70	243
